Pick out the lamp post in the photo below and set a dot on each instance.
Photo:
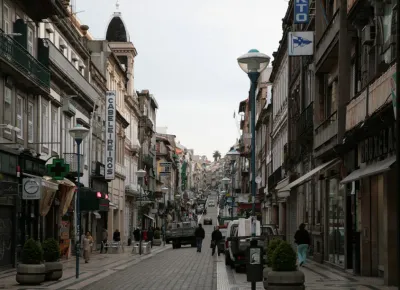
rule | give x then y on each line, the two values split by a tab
78	133
140	174
165	190
253	63
225	181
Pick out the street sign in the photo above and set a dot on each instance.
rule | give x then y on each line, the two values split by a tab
58	169
31	188
8	188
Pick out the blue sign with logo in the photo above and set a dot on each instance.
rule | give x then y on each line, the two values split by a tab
301	11
301	43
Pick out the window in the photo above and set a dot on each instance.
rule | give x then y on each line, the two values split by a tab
54	128
30	40
6	20
45	124
68	139
30	122
7	107
20	119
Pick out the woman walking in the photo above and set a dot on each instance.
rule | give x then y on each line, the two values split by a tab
87	246
302	239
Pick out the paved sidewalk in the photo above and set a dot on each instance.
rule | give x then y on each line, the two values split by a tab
99	267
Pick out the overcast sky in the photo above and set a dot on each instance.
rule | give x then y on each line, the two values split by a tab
187	51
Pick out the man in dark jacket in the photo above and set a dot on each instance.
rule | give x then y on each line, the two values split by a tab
302	239
216	237
200	235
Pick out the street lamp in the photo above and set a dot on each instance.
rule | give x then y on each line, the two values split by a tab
78	133
225	181
253	63
140	174
165	190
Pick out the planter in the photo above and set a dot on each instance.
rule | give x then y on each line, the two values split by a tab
54	271
265	276
28	274
157	242
293	280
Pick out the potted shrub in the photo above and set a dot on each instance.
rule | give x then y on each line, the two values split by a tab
157	238
284	272
273	244
31	271
51	255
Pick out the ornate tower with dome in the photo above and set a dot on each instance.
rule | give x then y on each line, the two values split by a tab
119	41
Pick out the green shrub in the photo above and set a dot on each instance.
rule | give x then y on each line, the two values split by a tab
284	258
51	249
273	244
157	235
32	253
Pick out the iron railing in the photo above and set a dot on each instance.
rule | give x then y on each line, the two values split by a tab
72	160
16	55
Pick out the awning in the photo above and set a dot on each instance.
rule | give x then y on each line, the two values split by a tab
49	189
308	175
372	169
281	184
149	217
97	215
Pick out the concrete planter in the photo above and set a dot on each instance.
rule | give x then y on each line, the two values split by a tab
293	280
265	275
30	274
54	271
157	242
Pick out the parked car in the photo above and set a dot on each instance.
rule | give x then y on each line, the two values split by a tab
211	203
207	221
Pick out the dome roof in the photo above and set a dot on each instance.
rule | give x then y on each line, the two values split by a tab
116	31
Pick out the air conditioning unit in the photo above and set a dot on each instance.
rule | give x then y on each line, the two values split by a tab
368	35
68	108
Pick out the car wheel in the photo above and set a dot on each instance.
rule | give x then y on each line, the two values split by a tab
237	269
227	259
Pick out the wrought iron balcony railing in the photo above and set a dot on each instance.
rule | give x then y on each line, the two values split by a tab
17	56
72	160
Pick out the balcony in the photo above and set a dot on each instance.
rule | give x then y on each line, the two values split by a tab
148	161
326	130
356	110
75	82
305	122
146	123
42	9
274	178
72	160
20	64
326	52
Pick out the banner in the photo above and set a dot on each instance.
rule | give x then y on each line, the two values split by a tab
110	134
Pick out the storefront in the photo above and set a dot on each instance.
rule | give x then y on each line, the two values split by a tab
372	198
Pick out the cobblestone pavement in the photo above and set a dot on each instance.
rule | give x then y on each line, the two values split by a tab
182	268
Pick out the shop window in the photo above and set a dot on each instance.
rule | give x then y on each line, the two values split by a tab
335	217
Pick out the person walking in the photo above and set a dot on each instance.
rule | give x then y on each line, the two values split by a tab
216	238
87	246
104	236
302	239
200	235
150	236
117	236
136	234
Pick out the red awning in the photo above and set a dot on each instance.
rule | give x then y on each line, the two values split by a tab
249	206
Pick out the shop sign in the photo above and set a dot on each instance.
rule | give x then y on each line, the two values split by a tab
110	135
378	145
31	188
301	14
8	188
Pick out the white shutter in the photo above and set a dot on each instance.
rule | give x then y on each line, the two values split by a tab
30	123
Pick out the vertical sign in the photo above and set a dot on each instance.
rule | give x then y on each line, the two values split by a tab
110	134
301	11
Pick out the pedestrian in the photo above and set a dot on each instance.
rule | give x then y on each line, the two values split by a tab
302	239
117	236
136	234
87	245
150	236
104	236
200	235
216	237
